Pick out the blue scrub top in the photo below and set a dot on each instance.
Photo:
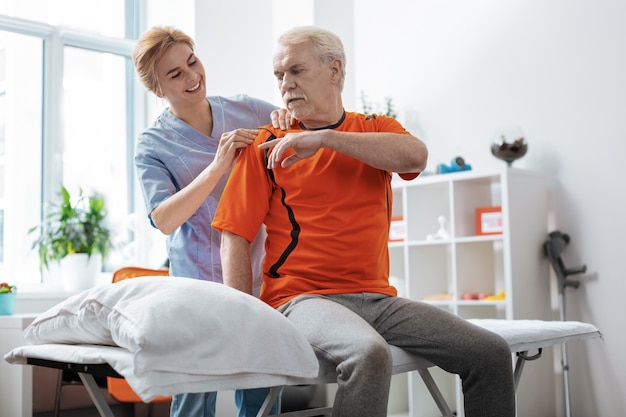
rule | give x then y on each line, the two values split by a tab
169	155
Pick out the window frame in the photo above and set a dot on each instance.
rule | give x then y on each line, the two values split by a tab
54	41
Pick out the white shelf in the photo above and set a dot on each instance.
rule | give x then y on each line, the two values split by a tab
16	381
466	262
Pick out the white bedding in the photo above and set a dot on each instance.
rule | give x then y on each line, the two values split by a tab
155	383
150	384
174	331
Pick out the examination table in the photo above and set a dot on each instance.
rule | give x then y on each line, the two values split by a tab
172	336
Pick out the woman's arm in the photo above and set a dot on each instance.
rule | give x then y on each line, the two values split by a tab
177	209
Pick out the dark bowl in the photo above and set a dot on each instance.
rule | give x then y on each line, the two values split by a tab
509	152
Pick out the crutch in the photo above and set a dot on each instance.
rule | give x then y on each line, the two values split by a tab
553	247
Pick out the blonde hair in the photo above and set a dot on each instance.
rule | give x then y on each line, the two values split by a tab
150	48
326	44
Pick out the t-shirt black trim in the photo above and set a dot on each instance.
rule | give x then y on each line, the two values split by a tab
295	226
336	125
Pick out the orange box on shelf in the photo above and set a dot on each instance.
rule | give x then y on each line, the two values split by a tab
397	231
489	220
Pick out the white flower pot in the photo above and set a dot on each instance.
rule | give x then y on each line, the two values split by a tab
80	271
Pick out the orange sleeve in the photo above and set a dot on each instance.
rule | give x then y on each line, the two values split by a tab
245	200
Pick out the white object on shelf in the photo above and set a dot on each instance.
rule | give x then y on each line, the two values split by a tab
442	233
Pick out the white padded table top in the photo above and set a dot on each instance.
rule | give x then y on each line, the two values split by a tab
523	335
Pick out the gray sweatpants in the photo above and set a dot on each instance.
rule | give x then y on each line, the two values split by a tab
351	331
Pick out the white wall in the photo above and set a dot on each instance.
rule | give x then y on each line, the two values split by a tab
236	40
459	69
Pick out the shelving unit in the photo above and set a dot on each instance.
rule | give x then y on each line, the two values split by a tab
443	270
16	382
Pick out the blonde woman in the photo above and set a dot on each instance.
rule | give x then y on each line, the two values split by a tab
183	160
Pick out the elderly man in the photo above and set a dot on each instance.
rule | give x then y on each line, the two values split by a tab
323	191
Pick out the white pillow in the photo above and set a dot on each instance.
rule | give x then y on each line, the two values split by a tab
70	322
180	325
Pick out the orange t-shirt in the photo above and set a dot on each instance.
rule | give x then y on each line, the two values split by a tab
327	217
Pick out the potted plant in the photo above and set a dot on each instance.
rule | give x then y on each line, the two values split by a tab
76	236
368	107
7	298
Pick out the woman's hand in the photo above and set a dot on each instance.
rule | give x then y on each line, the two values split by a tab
229	147
282	119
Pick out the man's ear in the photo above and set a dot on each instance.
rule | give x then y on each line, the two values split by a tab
336	69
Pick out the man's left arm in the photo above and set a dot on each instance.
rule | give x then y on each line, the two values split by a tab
387	151
236	262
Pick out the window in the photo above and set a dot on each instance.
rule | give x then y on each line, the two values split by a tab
70	110
67	114
105	17
20	158
94	150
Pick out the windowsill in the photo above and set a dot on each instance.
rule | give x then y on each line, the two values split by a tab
37	298
42	292
49	290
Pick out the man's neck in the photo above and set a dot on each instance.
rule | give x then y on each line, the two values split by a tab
329	122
